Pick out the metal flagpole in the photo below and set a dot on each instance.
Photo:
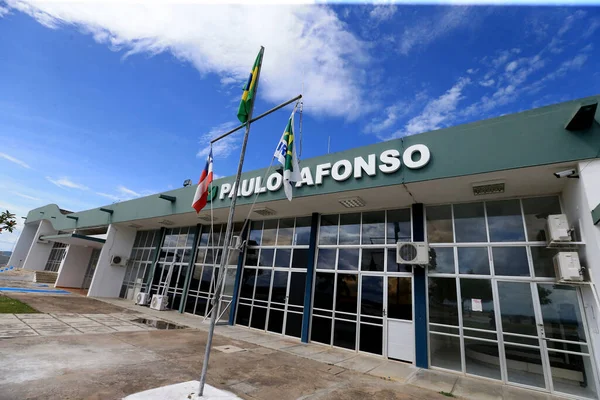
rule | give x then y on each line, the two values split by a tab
228	234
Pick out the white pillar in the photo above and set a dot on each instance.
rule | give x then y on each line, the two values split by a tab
107	279
39	252
17	258
73	267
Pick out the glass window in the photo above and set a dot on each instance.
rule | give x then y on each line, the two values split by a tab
321	330
445	352
300	258
542	259
326	259
286	232
348	259
469	223
439	224
561	313
372	260
398	226
474	351
505	221
329	229
477	303
255	233
393	266
516	308
263	283
473	260
372	296
400	298
266	257
293	324
297	283
323	296
282	258
510	261
344	334
279	287
371	339
349	229
269	233
442	301
373	227
441	260
302	234
346	293
536	212
247	284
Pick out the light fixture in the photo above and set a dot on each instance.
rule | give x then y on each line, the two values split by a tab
352	202
264	211
568	173
166	222
583	118
485	188
187	182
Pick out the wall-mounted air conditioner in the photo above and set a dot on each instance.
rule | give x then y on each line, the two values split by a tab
118	261
567	266
415	253
557	229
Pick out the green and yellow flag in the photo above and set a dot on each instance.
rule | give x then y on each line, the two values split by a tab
250	89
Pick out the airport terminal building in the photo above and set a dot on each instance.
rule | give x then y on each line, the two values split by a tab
501	296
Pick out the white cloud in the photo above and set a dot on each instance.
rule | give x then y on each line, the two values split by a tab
14	160
595	24
124	193
427	30
392	113
511	66
437	113
224	147
568	23
65	182
113	197
3	11
383	12
127	192
224	39
487	82
26	196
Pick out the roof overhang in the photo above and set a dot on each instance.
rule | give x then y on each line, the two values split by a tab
596	214
75	239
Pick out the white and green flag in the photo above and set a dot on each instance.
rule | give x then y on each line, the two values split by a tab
286	155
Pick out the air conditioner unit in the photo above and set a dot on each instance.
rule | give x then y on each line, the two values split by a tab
567	267
159	302
142	299
118	261
416	253
557	228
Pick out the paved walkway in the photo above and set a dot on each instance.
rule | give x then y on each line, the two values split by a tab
338	360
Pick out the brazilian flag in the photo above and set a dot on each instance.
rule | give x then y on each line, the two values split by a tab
250	89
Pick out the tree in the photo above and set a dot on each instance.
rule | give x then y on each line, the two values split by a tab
7	221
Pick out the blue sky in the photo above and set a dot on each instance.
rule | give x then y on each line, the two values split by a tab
107	102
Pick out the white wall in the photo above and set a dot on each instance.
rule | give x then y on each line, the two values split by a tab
17	259
73	267
107	278
38	252
579	197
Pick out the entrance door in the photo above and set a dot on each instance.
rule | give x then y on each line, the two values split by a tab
372	314
400	327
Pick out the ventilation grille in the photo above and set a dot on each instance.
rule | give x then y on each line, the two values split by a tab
166	222
488	188
264	211
206	218
352	202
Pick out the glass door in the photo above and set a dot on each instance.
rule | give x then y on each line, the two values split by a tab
372	314
400	327
565	337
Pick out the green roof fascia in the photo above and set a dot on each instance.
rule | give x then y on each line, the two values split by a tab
525	139
73	235
596	214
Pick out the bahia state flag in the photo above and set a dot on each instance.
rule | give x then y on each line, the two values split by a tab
286	155
250	89
201	196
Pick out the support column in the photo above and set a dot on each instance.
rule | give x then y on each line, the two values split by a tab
39	252
310	272
26	240
420	291
238	277
73	267
108	278
188	274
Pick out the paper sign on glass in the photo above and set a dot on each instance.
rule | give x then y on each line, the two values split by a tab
476	305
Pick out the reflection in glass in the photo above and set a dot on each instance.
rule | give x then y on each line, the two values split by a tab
263	283
323	297
259	318
293	324
561	313
445	352
393	266
469	223
400	298
439	224
266	257
282	258
536	212
349	228
482	358
279	288
441	260
247	284
275	321
572	374
329	229
505	221
255	234
326	259
542	259
302	234
473	260
372	259
398	226
373	227
442	301
269	232
510	261
344	334
242	316
300	258
321	330
348	259
372	296
516	308
286	232
346	293
297	282
473	293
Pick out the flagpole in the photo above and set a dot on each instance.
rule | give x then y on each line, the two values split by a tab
228	233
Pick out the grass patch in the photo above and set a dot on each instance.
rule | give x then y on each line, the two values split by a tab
12	306
447	394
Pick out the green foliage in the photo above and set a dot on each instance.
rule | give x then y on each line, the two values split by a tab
7	221
447	394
